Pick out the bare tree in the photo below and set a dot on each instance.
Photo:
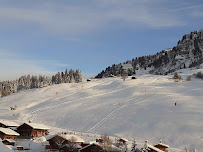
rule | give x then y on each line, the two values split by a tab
106	143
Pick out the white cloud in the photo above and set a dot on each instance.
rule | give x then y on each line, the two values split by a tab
90	17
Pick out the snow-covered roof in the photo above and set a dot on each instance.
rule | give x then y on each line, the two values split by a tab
154	148
10	140
75	146
9	123
86	146
124	139
95	143
69	137
37	126
8	131
161	144
92	143
4	148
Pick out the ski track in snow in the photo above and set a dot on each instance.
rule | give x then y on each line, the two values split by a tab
113	113
67	102
55	105
30	115
105	119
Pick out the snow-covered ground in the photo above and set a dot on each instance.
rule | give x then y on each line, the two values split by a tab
135	109
4	148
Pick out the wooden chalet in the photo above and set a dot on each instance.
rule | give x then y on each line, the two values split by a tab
162	146
96	147
63	140
6	133
151	148
91	148
29	130
72	148
9	142
8	124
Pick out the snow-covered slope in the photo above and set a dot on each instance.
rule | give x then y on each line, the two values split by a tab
4	148
141	109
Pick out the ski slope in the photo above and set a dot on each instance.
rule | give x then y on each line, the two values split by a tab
142	109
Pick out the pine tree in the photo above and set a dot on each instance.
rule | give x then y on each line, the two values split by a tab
53	79
28	82
71	74
66	77
78	76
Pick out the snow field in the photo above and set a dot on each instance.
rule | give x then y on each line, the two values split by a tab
141	109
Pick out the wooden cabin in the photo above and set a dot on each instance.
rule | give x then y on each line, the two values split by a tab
29	130
64	139
96	147
72	148
8	124
151	148
91	148
9	142
162	146
6	133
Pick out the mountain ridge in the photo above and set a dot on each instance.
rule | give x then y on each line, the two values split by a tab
187	54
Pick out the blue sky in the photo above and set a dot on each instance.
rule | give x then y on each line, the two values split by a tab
47	36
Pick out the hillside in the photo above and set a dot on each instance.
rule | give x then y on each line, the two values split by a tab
188	53
118	108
